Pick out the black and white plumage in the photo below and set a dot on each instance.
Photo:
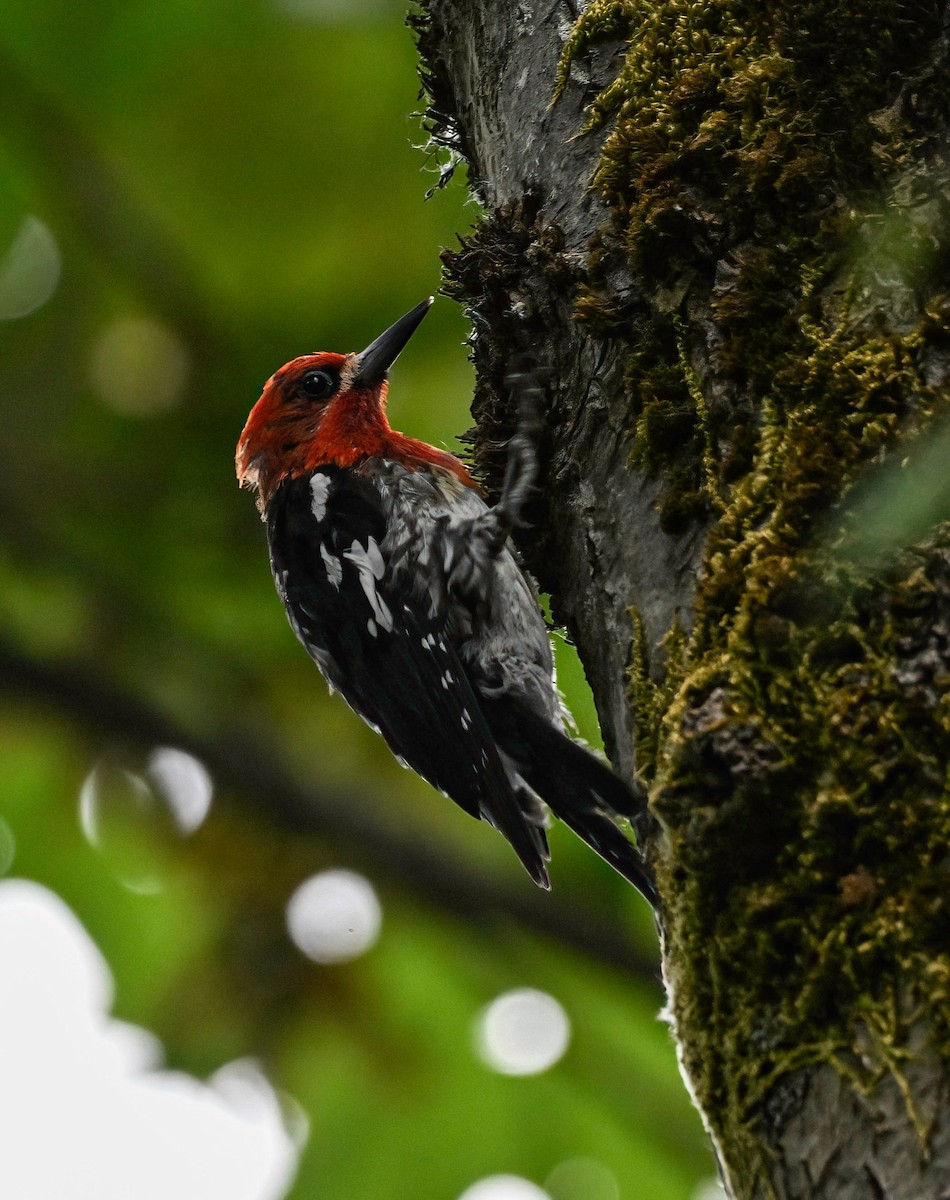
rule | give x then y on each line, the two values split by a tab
402	585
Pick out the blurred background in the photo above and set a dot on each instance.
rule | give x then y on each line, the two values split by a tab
245	955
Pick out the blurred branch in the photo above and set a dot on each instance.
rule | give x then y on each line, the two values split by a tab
94	202
249	771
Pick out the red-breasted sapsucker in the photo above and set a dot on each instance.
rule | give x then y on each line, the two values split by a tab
404	589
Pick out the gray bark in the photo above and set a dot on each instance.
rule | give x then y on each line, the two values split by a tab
495	66
836	1143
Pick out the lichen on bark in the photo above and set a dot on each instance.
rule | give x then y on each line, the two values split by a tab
778	182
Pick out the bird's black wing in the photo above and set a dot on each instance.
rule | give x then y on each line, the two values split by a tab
386	653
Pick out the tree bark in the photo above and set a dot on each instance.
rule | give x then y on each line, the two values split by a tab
719	234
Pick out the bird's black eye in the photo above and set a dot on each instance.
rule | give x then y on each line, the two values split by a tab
317	385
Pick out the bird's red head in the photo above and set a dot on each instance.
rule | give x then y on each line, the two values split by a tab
328	408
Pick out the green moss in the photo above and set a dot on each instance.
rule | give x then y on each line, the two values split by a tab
650	698
736	131
803	779
768	179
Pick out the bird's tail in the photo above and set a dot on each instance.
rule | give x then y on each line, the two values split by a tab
578	788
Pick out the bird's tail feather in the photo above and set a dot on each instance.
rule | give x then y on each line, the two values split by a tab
578	788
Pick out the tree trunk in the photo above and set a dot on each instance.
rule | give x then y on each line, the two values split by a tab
722	250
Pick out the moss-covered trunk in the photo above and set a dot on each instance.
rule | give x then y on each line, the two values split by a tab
739	276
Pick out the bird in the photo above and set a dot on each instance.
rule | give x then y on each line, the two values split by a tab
405	589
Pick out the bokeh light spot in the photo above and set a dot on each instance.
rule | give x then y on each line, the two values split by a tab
134	819
29	271
117	815
139	367
86	1111
334	916
504	1187
582	1179
523	1032
247	1091
184	784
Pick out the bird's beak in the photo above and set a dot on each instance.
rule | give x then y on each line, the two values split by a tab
374	362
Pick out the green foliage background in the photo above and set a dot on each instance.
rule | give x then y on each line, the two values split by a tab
244	174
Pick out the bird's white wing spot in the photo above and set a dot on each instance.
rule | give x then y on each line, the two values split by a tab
371	627
374	559
333	566
369	562
319	491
